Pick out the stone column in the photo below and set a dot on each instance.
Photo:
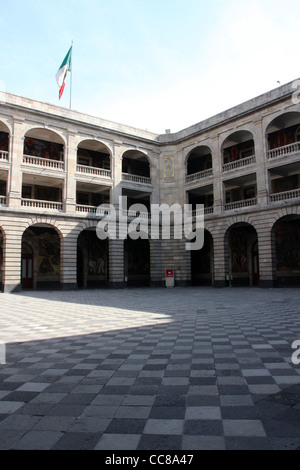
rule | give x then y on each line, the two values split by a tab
217	160
261	159
172	191
156	268
267	258
68	261
116	167
155	173
116	264
70	165
219	259
12	260
17	150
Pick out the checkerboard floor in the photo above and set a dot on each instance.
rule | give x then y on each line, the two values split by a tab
150	369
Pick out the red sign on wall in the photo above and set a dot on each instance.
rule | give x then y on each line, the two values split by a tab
169	272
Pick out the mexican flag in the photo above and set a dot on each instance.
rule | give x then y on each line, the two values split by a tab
62	73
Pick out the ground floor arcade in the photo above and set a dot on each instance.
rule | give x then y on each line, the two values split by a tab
260	249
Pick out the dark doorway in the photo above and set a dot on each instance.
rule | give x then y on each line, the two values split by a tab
92	261
287	242
137	262
202	263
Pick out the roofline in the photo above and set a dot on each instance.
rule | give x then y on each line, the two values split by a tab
276	95
28	104
266	99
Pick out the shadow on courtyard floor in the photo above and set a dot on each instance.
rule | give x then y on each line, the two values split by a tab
195	374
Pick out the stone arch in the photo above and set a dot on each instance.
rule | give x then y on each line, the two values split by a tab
282	130
137	262
45	143
92	257
238	145
42	269
241	254
202	262
199	159
136	162
4	126
5	134
94	153
285	239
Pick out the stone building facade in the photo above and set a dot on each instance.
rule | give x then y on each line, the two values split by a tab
57	166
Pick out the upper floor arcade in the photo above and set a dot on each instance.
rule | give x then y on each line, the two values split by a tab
4	143
257	142
44	148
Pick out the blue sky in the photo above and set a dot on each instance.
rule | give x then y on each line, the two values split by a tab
152	64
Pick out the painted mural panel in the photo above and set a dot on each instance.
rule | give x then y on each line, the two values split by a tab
43	149
239	255
97	255
49	254
96	251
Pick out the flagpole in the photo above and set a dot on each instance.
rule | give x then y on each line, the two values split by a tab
71	78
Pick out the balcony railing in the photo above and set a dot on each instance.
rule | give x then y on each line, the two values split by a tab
284	151
198	176
43	162
136	214
90	170
239	163
136	178
84	209
4	156
206	211
37	204
241	204
294	194
2	200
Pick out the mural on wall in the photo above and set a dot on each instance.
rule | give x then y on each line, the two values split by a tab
239	259
288	245
97	259
169	168
96	254
49	254
43	149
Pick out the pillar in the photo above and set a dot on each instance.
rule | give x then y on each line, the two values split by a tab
261	159
267	258
217	160
219	259
68	261
116	264
12	260
116	166
70	165
15	179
